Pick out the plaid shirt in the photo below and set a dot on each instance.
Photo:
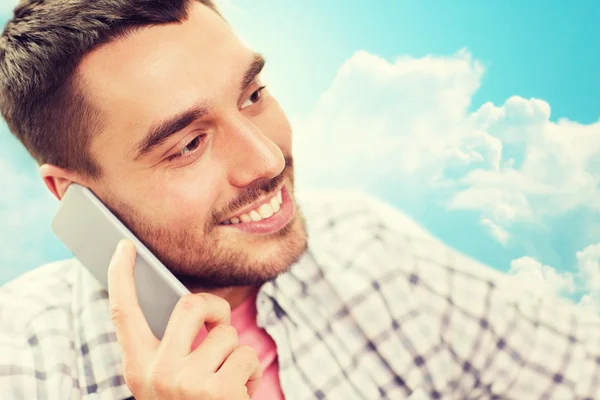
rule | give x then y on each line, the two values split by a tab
376	309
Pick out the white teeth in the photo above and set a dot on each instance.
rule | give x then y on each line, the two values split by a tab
255	216
275	204
265	210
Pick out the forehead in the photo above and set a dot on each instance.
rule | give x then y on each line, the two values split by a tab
158	70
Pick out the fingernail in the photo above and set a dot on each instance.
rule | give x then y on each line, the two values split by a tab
119	249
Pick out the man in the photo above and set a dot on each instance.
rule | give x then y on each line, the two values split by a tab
159	109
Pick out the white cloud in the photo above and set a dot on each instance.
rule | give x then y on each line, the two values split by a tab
407	123
541	279
495	230
528	274
588	263
552	166
403	109
590	302
589	267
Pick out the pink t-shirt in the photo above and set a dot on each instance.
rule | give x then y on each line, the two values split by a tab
243	319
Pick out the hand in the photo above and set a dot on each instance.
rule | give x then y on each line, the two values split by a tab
167	369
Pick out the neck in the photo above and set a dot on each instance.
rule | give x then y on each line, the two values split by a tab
234	295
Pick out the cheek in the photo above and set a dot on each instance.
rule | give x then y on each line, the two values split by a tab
181	203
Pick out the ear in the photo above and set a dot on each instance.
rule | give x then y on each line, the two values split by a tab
57	179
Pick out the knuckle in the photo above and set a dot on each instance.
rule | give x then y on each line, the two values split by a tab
226	333
249	358
183	390
224	305
248	351
190	302
161	386
223	389
218	301
204	296
133	380
160	381
117	312
211	391
190	387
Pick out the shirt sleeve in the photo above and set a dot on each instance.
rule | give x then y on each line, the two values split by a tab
502	340
37	353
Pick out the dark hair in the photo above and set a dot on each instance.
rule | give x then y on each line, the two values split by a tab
41	97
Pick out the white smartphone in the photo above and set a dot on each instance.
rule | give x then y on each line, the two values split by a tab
91	231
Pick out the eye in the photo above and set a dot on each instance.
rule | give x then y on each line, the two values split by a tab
254	97
189	149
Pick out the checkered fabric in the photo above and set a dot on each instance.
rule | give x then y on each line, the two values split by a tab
376	309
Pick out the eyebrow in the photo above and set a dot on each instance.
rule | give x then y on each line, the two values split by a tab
255	68
161	131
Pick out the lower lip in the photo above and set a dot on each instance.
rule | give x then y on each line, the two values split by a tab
272	224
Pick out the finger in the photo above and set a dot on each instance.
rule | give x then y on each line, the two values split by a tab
188	317
133	333
253	383
242	367
212	352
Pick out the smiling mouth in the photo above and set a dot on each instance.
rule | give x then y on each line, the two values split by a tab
267	209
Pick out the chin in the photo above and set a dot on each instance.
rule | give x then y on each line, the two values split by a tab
282	249
247	262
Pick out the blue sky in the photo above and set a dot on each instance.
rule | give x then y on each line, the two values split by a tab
480	120
531	49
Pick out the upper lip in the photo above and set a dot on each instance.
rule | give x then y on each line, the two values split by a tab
263	200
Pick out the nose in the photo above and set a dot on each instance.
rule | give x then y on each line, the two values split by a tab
250	153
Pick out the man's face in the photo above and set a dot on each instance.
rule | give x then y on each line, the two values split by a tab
191	141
